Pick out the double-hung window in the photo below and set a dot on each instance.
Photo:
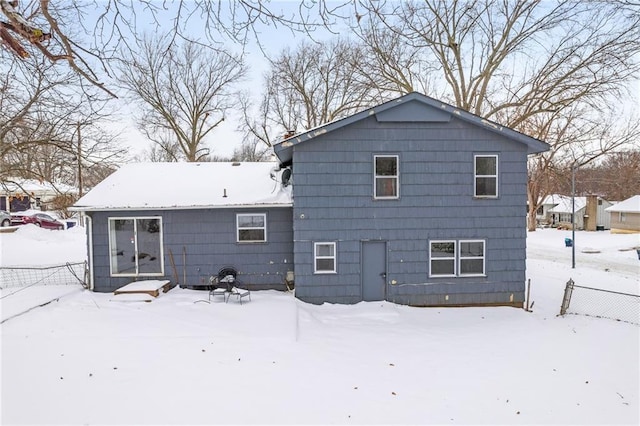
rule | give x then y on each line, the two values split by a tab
135	246
251	227
486	176
471	258
457	258
443	258
324	258
386	177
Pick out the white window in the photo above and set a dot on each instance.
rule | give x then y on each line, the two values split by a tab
471	258
135	246
442	255
623	217
386	178
324	258
486	176
456	258
251	227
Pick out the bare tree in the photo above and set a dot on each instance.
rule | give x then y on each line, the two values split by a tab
87	34
578	138
551	70
40	108
310	85
184	92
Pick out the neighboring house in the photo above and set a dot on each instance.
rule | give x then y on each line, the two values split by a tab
543	214
590	211
625	215
18	194
413	201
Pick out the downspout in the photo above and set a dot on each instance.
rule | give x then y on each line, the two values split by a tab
89	230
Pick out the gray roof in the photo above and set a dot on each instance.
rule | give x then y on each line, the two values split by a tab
389	111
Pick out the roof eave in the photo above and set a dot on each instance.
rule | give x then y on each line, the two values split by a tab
198	207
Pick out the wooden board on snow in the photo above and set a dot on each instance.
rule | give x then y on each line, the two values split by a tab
132	297
150	287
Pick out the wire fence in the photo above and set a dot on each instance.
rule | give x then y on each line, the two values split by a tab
595	302
14	279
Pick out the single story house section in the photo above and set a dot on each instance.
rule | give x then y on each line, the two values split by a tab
185	221
625	215
413	201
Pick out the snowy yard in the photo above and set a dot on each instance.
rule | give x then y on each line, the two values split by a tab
87	359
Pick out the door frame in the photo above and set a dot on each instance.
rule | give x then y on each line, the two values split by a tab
386	266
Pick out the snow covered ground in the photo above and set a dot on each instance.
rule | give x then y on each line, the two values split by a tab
88	359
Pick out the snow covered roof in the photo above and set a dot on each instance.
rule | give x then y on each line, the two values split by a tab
565	205
630	205
145	186
20	185
554	199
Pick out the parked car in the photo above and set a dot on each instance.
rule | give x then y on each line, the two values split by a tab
39	219
5	218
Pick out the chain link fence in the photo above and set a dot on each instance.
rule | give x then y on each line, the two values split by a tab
23	289
595	302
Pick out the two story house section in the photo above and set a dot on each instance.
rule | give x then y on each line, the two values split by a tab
413	201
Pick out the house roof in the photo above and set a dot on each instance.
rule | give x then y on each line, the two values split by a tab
630	205
413	107
565	205
146	186
19	185
554	199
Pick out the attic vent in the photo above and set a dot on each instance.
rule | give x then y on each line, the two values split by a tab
235	164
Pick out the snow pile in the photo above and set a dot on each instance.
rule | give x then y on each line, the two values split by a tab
276	360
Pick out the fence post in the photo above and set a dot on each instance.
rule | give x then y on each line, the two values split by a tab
528	294
567	297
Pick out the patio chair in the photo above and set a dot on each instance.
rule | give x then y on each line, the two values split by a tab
225	285
223	282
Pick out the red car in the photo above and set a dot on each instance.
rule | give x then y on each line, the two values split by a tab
39	219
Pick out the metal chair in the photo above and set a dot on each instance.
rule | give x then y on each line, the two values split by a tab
225	285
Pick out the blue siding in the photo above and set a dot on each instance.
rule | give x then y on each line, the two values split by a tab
209	238
333	187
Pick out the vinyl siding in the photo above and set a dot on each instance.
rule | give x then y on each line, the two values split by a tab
209	239
333	193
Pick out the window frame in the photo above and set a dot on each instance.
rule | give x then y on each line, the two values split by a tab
111	239
395	178
263	228
316	257
457	258
454	258
476	176
461	258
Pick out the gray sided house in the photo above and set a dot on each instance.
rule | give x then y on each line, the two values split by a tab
145	218
413	201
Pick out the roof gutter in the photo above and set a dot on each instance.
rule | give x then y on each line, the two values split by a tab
204	207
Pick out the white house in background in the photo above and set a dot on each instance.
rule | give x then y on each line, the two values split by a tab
17	194
543	216
590	211
625	215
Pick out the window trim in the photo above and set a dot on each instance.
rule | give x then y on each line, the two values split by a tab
454	259
457	258
460	258
263	228
316	257
476	176
376	177
135	234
